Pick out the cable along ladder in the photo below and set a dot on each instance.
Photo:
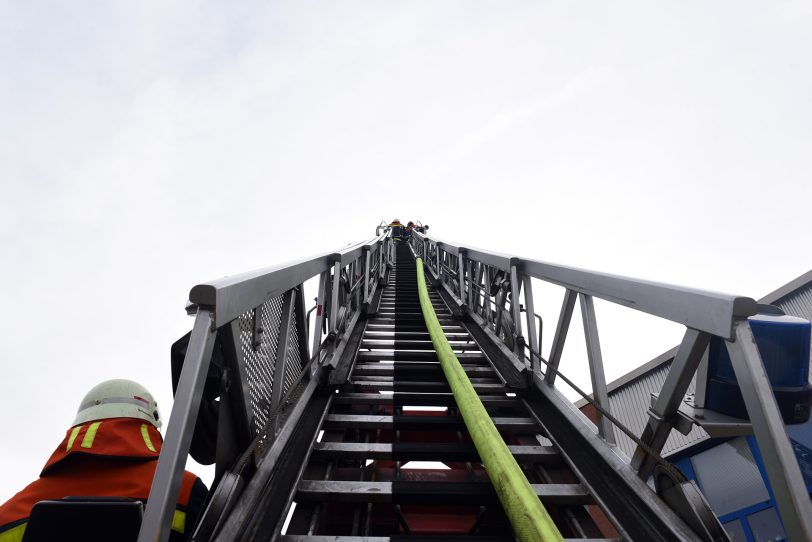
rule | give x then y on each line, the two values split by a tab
346	429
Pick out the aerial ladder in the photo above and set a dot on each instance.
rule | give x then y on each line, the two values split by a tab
315	418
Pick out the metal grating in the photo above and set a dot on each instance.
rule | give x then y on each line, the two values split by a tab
259	364
798	303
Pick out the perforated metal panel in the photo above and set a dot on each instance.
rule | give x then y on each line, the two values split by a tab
259	364
293	363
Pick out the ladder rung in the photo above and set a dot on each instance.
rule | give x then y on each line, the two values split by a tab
411	320
414	355
375	326
423	423
418	399
417	365
405	492
376	334
420	387
410	343
428	369
418	451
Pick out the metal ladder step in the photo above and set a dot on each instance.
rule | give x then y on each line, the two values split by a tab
418	492
415	344
414	355
420	423
421	451
413	335
418	386
431	371
401	399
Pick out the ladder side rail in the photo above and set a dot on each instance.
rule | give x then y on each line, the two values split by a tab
703	310
704	313
786	479
233	295
224	302
244	511
163	494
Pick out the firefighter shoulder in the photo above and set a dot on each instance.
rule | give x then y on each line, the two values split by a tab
110	450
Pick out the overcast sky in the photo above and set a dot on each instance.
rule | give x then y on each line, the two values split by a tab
149	146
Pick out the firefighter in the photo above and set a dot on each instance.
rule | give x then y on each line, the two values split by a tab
397	230
111	450
408	232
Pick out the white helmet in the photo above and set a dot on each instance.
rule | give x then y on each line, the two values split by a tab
118	398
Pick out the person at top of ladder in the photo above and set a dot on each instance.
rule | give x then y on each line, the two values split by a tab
397	229
110	450
407	233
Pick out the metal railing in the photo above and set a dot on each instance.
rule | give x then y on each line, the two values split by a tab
274	358
260	319
490	287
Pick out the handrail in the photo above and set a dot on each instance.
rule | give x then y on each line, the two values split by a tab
352	252
703	310
245	308
488	287
231	296
698	309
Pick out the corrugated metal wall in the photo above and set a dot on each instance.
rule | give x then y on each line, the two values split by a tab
798	303
630	402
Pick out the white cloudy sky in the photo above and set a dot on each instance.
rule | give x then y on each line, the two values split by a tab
149	146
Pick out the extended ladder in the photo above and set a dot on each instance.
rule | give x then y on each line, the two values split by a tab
359	438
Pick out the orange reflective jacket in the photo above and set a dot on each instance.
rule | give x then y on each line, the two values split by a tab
107	458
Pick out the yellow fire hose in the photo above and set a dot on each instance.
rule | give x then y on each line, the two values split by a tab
530	520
